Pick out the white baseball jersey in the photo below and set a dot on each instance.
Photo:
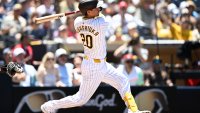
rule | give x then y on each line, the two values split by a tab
92	32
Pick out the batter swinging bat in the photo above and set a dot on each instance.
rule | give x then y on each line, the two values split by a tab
53	17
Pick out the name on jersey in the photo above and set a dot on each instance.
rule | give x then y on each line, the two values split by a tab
87	28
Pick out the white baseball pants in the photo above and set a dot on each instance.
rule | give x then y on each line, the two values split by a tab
93	74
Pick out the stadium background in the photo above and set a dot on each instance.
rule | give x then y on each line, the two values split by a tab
180	57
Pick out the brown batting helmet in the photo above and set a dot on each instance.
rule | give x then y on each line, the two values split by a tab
86	5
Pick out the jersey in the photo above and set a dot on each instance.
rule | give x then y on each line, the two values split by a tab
92	33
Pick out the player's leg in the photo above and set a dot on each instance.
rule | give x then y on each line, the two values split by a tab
91	81
121	83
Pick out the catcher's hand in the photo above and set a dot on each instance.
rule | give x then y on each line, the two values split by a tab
12	68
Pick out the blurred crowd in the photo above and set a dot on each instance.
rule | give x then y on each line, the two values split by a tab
130	22
148	18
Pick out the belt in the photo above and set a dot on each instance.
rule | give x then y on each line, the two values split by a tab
95	60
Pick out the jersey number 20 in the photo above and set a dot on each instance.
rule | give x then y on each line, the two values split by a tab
87	40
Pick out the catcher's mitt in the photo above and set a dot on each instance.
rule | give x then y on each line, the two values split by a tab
12	68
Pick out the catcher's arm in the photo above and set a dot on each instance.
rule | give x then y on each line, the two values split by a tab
11	68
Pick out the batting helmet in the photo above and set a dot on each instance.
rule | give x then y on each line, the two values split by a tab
86	5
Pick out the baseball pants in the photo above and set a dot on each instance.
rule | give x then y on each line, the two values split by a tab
93	74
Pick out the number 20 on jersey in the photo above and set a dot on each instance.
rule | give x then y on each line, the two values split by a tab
87	40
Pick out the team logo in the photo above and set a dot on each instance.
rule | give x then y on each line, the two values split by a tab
154	100
100	101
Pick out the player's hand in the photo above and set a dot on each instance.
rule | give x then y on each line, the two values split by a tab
13	68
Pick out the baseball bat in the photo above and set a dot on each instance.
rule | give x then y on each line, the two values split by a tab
53	17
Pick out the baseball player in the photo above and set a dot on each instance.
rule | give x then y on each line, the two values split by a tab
91	28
